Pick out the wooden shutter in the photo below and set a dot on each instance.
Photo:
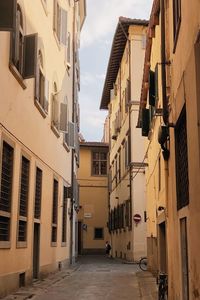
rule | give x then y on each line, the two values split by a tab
30	56
55	111
71	134
15	40
8	10
46	95
145	122
63	37
156	86
63	117
152	88
68	47
37	81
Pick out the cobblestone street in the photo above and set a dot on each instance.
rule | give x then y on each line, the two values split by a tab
93	278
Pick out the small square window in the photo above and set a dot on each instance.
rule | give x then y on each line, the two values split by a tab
98	233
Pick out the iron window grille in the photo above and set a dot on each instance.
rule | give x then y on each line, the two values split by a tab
38	193
54	212
181	152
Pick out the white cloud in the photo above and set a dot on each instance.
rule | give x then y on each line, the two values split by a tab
87	79
102	17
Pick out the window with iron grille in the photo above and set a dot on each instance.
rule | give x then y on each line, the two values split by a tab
54	212
98	233
6	191
182	181
23	200
64	216
99	163
38	193
176	18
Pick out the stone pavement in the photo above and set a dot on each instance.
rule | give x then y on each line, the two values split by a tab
93	278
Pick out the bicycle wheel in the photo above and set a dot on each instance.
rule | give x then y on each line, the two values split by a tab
143	264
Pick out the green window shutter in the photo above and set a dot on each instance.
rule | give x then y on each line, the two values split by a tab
8	10
145	122
156	86
151	88
30	56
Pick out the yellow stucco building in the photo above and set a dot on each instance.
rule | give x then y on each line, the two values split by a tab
173	173
93	194
38	133
121	93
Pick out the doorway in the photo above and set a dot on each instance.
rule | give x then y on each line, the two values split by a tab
79	238
162	248
36	250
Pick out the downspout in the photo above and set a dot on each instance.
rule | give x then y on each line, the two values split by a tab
165	114
72	150
163	64
129	144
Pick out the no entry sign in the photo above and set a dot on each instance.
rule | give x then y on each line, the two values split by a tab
137	218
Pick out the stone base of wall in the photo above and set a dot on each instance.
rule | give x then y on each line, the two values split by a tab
10	283
93	251
152	254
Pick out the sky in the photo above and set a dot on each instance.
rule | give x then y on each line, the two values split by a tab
96	40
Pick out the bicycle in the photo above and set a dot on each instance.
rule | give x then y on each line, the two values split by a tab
143	263
163	287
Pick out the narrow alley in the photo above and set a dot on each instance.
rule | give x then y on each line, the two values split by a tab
93	278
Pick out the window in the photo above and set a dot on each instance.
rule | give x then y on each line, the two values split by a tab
54	212
126	153
60	23
182	180
55	108
23	50
41	85
7	11
23	200
176	19
98	233
6	192
64	216
38	193
99	163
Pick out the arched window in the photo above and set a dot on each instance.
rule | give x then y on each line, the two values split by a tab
41	84
22	49
17	42
55	107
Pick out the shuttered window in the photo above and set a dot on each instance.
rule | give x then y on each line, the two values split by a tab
7	14
38	193
64	216
60	23
54	212
23	48
41	84
181	152
176	18
6	191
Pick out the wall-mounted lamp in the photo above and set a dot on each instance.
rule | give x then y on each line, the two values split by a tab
160	208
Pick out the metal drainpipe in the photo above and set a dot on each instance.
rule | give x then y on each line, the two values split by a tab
129	144
72	150
163	63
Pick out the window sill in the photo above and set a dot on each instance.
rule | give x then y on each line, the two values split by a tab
21	244
55	130
64	244
5	244
53	244
41	109
17	75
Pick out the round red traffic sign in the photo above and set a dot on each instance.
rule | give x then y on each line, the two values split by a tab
137	218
